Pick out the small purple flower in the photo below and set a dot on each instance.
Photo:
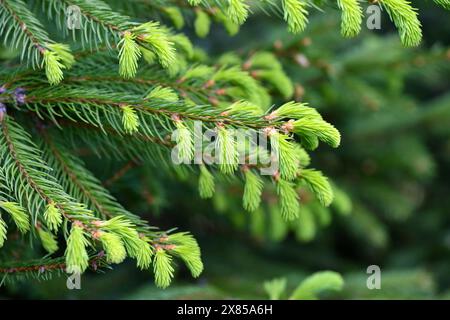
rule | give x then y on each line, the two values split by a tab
2	111
20	98
2	89
20	95
19	90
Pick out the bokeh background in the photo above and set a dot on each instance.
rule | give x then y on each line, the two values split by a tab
391	175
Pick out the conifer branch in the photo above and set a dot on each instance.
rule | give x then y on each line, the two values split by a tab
38	186
42	267
142	107
15	17
21	29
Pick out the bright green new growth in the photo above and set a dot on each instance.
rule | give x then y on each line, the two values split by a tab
227	153
252	191
279	80
53	67
263	59
405	19
305	225
309	289
314	285
120	239
231	27
205	183
351	17
309	141
162	93
242	106
113	246
186	247
129	54
289	199
176	16
101	24
194	2
295	14
185	143
63	53
143	254
275	288
52	217
162	266
295	110
303	156
48	241
18	214
135	246
202	23
319	185
198	72
130	117
77	259
237	11
130	120
155	38
321	129
2	232
269	69
184	45
284	149
342	201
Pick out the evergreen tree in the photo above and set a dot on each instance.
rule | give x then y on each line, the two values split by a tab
119	87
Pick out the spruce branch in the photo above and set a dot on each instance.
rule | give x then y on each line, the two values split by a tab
130	37
122	110
73	176
100	24
45	268
28	177
21	29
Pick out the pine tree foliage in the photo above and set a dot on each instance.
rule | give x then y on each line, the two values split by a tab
120	87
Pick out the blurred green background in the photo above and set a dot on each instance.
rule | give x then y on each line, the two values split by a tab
391	173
